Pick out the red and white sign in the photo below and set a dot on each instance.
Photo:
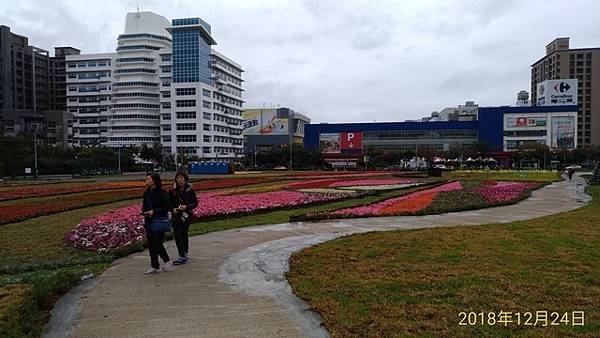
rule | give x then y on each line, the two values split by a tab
351	140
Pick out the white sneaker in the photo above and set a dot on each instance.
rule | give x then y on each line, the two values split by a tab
168	266
152	271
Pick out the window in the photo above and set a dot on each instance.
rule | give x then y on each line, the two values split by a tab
207	116
206	93
206	127
186	114
166	116
166	105
166	83
185	103
166	138
165	69
185	91
186	138
206	138
166	94
166	127
206	104
165	57
186	126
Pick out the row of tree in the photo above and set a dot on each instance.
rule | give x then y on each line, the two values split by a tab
18	154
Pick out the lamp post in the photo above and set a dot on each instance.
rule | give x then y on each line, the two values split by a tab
119	152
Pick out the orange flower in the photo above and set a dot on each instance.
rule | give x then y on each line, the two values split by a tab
409	205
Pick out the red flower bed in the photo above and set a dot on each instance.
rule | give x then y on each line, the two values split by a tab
18	211
54	189
230	183
505	191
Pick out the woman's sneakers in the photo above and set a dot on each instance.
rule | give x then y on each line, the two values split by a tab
181	260
152	271
168	267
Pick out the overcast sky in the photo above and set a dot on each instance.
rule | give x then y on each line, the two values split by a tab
345	61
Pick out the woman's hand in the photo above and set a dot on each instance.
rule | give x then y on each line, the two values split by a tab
149	213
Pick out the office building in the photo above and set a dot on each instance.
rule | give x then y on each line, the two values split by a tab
583	64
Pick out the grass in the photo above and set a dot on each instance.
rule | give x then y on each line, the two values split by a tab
503	175
416	283
38	263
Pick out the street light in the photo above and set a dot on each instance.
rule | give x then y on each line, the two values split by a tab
35	157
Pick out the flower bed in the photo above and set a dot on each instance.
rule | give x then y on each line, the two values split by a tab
118	228
371	182
18	211
230	183
109	231
53	189
448	197
501	192
407	204
381	187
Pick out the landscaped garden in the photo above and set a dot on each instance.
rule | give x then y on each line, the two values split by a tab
49	241
457	282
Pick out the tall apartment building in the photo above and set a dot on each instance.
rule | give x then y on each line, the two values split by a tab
58	77
165	83
33	90
89	89
24	73
583	64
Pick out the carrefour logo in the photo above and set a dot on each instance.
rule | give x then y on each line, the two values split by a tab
561	87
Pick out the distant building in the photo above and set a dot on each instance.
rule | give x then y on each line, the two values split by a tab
466	112
583	64
33	89
265	129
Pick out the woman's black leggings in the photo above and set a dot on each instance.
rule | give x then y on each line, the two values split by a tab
156	248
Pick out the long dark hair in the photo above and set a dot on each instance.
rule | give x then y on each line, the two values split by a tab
185	176
156	179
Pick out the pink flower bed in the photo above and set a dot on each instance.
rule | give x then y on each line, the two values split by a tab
119	228
109	231
370	182
422	198
505	191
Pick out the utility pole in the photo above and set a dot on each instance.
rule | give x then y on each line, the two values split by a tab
35	164
120	172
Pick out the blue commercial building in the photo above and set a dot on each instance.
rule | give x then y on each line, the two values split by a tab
503	128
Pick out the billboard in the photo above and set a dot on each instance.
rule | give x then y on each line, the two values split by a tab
525	121
265	122
330	143
557	92
344	142
563	132
351	142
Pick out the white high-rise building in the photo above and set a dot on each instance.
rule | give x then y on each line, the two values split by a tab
89	80
165	83
135	101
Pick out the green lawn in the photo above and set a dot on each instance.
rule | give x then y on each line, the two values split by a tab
417	282
503	175
38	265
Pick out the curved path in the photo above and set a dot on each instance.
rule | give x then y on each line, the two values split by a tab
234	284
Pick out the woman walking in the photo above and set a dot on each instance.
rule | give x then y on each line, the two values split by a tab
155	208
183	201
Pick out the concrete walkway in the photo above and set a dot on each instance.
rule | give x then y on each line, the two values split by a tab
234	284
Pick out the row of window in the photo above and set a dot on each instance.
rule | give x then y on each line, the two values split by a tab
137	47
135	128
135	70
137	59
134	117
87	89
392	135
185	91
525	133
134	139
89	75
143	36
150	95
136	105
81	64
135	84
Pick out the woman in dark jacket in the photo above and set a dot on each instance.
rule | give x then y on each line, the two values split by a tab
156	204
184	201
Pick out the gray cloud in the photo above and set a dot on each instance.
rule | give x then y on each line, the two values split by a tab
345	60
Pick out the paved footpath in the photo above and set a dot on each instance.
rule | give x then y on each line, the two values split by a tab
234	284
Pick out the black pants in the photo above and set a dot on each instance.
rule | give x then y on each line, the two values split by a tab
180	230
156	248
